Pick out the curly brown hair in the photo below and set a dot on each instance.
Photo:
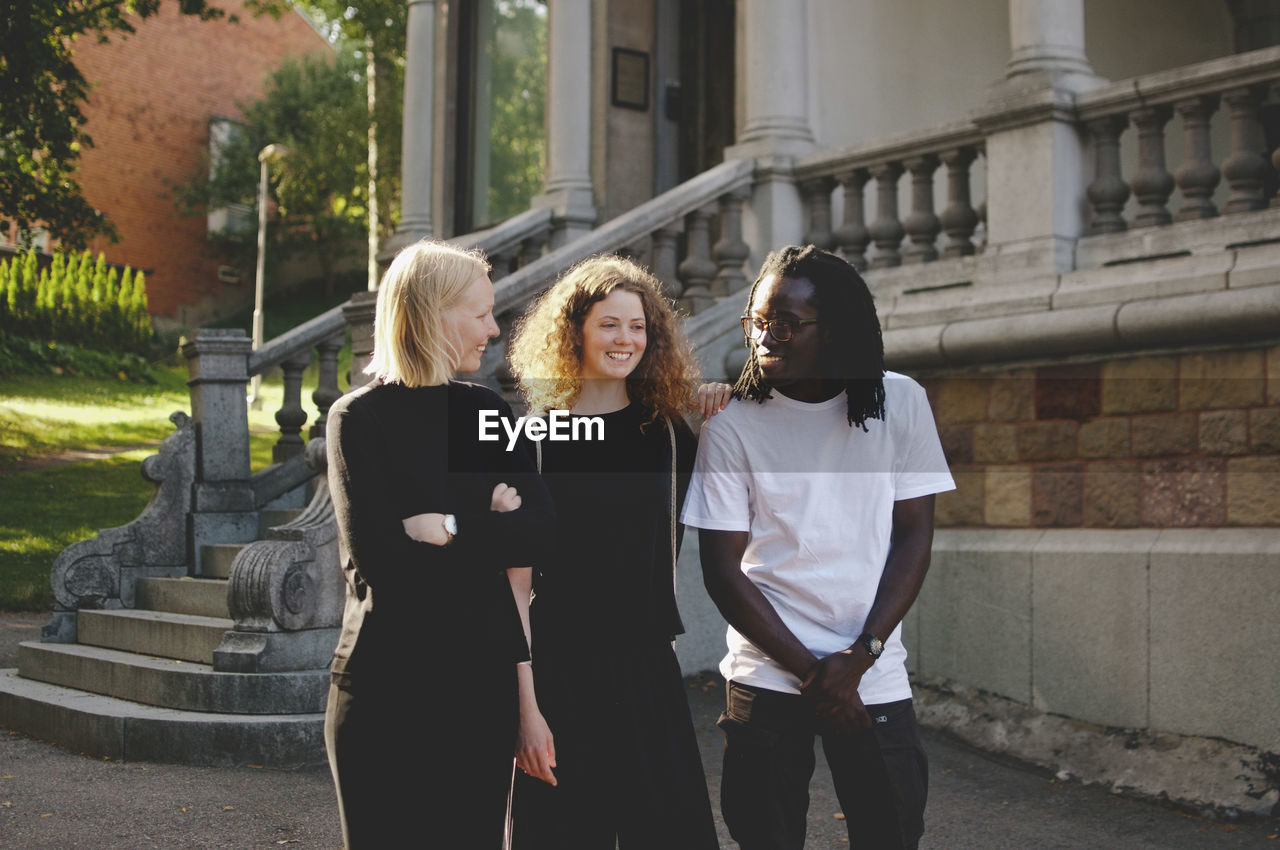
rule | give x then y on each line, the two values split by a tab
546	347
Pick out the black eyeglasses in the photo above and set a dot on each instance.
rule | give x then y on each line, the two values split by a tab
780	329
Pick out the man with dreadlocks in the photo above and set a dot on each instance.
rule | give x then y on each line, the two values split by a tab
813	492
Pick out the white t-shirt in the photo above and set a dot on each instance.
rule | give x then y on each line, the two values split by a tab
816	495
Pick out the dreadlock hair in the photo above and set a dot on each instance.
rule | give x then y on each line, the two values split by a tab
852	349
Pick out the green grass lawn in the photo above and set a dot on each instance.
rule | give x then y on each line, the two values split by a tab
46	505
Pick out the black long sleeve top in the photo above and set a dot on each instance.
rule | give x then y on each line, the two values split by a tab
394	452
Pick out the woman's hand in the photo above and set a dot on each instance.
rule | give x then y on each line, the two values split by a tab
426	528
712	398
504	499
535	746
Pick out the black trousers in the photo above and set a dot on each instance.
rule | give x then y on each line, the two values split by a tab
418	766
881	775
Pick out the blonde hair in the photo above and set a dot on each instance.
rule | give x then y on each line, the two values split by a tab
546	346
409	342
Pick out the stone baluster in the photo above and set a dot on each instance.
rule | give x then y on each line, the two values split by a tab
663	258
1152	183
501	371
532	248
886	230
958	218
921	225
1245	168
359	313
1275	164
503	263
731	251
981	210
1108	191
327	390
852	235
697	270
291	417
817	201
1197	177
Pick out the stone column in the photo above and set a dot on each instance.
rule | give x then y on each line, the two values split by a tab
773	78
419	105
222	505
568	191
1035	153
1047	44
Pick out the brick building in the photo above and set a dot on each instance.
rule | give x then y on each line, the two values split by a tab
154	96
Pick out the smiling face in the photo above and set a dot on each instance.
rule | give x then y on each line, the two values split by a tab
792	367
613	336
469	324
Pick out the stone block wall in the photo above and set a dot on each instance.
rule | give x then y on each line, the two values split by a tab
1159	441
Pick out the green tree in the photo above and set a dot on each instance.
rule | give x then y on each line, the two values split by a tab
41	120
373	30
315	109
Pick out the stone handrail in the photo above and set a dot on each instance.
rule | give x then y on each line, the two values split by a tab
1205	78
689	206
515	242
955	145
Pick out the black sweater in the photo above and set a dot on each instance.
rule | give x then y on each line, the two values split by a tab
394	452
612	578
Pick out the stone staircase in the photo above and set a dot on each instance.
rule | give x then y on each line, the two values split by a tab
140	684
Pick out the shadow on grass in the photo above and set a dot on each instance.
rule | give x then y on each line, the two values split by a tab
42	512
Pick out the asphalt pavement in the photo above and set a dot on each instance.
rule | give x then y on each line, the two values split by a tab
52	798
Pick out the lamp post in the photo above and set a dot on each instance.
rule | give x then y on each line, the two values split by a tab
268	154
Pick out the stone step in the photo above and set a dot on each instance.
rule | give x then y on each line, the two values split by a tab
202	597
216	558
271	517
183	636
105	727
167	683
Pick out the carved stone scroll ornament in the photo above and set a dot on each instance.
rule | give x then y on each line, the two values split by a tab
102	572
286	591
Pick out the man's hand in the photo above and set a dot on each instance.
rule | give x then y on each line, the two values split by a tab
504	499
832	684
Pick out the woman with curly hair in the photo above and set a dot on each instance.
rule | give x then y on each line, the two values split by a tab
606	725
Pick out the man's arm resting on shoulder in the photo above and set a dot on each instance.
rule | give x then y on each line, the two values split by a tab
834	681
742	603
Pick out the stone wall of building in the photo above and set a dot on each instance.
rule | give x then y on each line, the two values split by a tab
1156	441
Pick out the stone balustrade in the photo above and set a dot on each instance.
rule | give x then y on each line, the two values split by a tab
892	238
1236	89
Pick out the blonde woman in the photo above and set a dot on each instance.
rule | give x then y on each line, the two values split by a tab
422	712
607	748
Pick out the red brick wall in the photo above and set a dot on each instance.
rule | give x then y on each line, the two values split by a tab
149	118
1180	440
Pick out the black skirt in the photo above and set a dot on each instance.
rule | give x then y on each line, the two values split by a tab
628	764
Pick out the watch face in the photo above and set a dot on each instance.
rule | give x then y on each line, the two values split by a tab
875	646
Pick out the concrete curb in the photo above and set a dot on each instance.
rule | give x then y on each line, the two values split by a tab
1214	778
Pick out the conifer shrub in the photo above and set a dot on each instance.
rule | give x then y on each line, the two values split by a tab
77	301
